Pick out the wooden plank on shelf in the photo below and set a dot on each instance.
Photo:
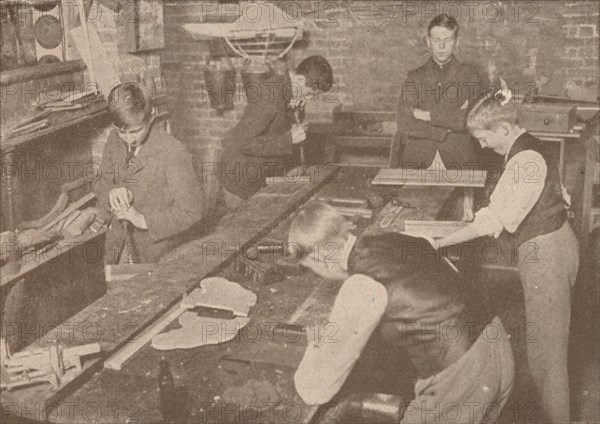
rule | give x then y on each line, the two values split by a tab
431	177
41	71
116	361
82	116
70	209
119	272
32	260
432	229
295	179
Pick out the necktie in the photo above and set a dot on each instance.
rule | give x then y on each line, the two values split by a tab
130	154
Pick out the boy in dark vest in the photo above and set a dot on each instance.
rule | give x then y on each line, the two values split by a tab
398	283
529	202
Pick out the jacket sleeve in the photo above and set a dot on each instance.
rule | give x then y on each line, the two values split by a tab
106	177
448	114
406	122
186	207
255	139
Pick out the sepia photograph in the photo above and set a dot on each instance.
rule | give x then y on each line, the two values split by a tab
300	211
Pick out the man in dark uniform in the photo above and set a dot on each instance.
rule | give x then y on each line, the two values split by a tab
261	144
434	101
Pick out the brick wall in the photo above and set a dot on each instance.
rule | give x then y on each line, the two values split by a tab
579	54
372	45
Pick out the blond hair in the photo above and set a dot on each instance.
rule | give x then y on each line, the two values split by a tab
318	222
488	113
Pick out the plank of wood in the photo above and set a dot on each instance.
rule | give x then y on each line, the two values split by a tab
61	203
433	229
33	119
302	179
119	272
364	212
33	260
216	293
70	209
31	127
116	361
437	224
431	177
100	66
344	201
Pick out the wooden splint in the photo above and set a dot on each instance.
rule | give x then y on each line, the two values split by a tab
199	331
63	199
215	292
51	364
119	272
219	293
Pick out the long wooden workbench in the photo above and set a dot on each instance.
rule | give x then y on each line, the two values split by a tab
131	395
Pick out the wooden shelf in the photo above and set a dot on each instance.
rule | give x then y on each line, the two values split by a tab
81	116
33	260
92	111
35	72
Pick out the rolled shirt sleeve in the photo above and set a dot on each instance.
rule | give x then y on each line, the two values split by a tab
357	310
515	195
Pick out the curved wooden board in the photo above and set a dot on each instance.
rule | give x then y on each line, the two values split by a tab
59	206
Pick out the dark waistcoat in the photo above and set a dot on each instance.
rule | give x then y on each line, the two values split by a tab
426	298
549	213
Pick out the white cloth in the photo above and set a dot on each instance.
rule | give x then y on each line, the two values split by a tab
357	310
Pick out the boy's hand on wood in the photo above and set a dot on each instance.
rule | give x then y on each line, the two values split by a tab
298	133
423	115
297	103
134	216
120	198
